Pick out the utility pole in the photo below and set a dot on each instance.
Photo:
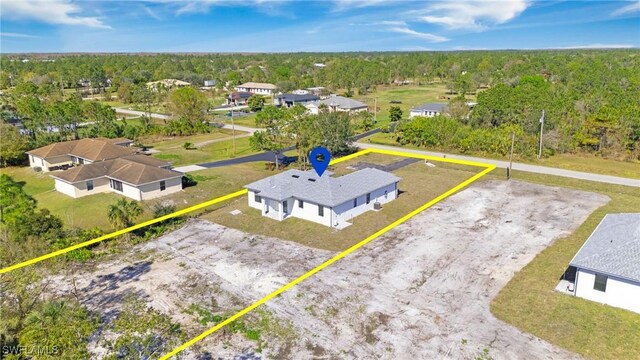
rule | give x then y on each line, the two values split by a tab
513	141
541	127
375	109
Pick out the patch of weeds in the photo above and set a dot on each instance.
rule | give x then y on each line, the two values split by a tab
485	355
311	309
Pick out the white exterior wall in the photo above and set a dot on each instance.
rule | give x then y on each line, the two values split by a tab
309	211
65	188
413	113
619	292
259	91
345	212
35	161
129	191
100	185
152	190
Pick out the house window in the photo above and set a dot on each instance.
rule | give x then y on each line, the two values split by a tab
115	185
89	185
321	210
355	202
368	198
285	207
600	283
163	185
257	198
300	204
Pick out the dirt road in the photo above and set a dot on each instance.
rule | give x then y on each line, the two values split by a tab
421	291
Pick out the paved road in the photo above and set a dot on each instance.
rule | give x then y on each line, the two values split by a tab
248	129
519	166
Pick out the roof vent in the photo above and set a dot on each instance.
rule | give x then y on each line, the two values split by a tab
312	180
295	176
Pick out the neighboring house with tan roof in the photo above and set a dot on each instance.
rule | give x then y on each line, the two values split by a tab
77	152
257	88
139	177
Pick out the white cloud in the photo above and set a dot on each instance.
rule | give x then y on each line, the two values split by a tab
61	12
631	8
421	35
342	5
474	15
597	46
17	35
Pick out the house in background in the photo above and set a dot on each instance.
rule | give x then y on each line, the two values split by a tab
336	103
428	110
326	200
318	90
62	155
167	83
238	98
139	177
607	267
290	100
257	88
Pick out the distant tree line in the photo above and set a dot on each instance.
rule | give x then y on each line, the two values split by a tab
590	96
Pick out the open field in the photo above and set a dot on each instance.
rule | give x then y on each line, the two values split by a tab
410	95
530	302
592	164
419	184
211	152
421	290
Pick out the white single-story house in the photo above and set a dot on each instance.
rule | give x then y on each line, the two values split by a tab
336	103
62	155
326	200
257	88
607	267
290	100
428	110
139	177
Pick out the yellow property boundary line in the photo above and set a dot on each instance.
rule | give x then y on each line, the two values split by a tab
488	168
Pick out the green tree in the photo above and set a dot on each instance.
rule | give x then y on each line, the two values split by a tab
256	102
274	137
12	146
61	327
189	104
123	213
395	113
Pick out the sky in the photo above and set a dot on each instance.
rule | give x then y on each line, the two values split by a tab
310	26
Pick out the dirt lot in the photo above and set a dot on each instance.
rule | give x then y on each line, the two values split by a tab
421	291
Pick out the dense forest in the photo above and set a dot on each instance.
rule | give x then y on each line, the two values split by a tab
591	98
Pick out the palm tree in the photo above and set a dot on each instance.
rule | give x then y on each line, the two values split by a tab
123	213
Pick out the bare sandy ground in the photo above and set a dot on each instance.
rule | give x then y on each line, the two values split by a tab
421	291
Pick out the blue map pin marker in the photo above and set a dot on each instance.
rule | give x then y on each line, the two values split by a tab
319	165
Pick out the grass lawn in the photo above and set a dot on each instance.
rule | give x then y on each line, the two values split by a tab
530	303
410	96
419	185
91	211
211	152
577	162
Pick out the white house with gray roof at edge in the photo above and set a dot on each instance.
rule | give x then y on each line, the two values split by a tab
607	267
330	201
428	110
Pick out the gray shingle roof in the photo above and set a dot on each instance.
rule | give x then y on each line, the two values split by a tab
298	97
613	248
437	107
326	190
341	102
